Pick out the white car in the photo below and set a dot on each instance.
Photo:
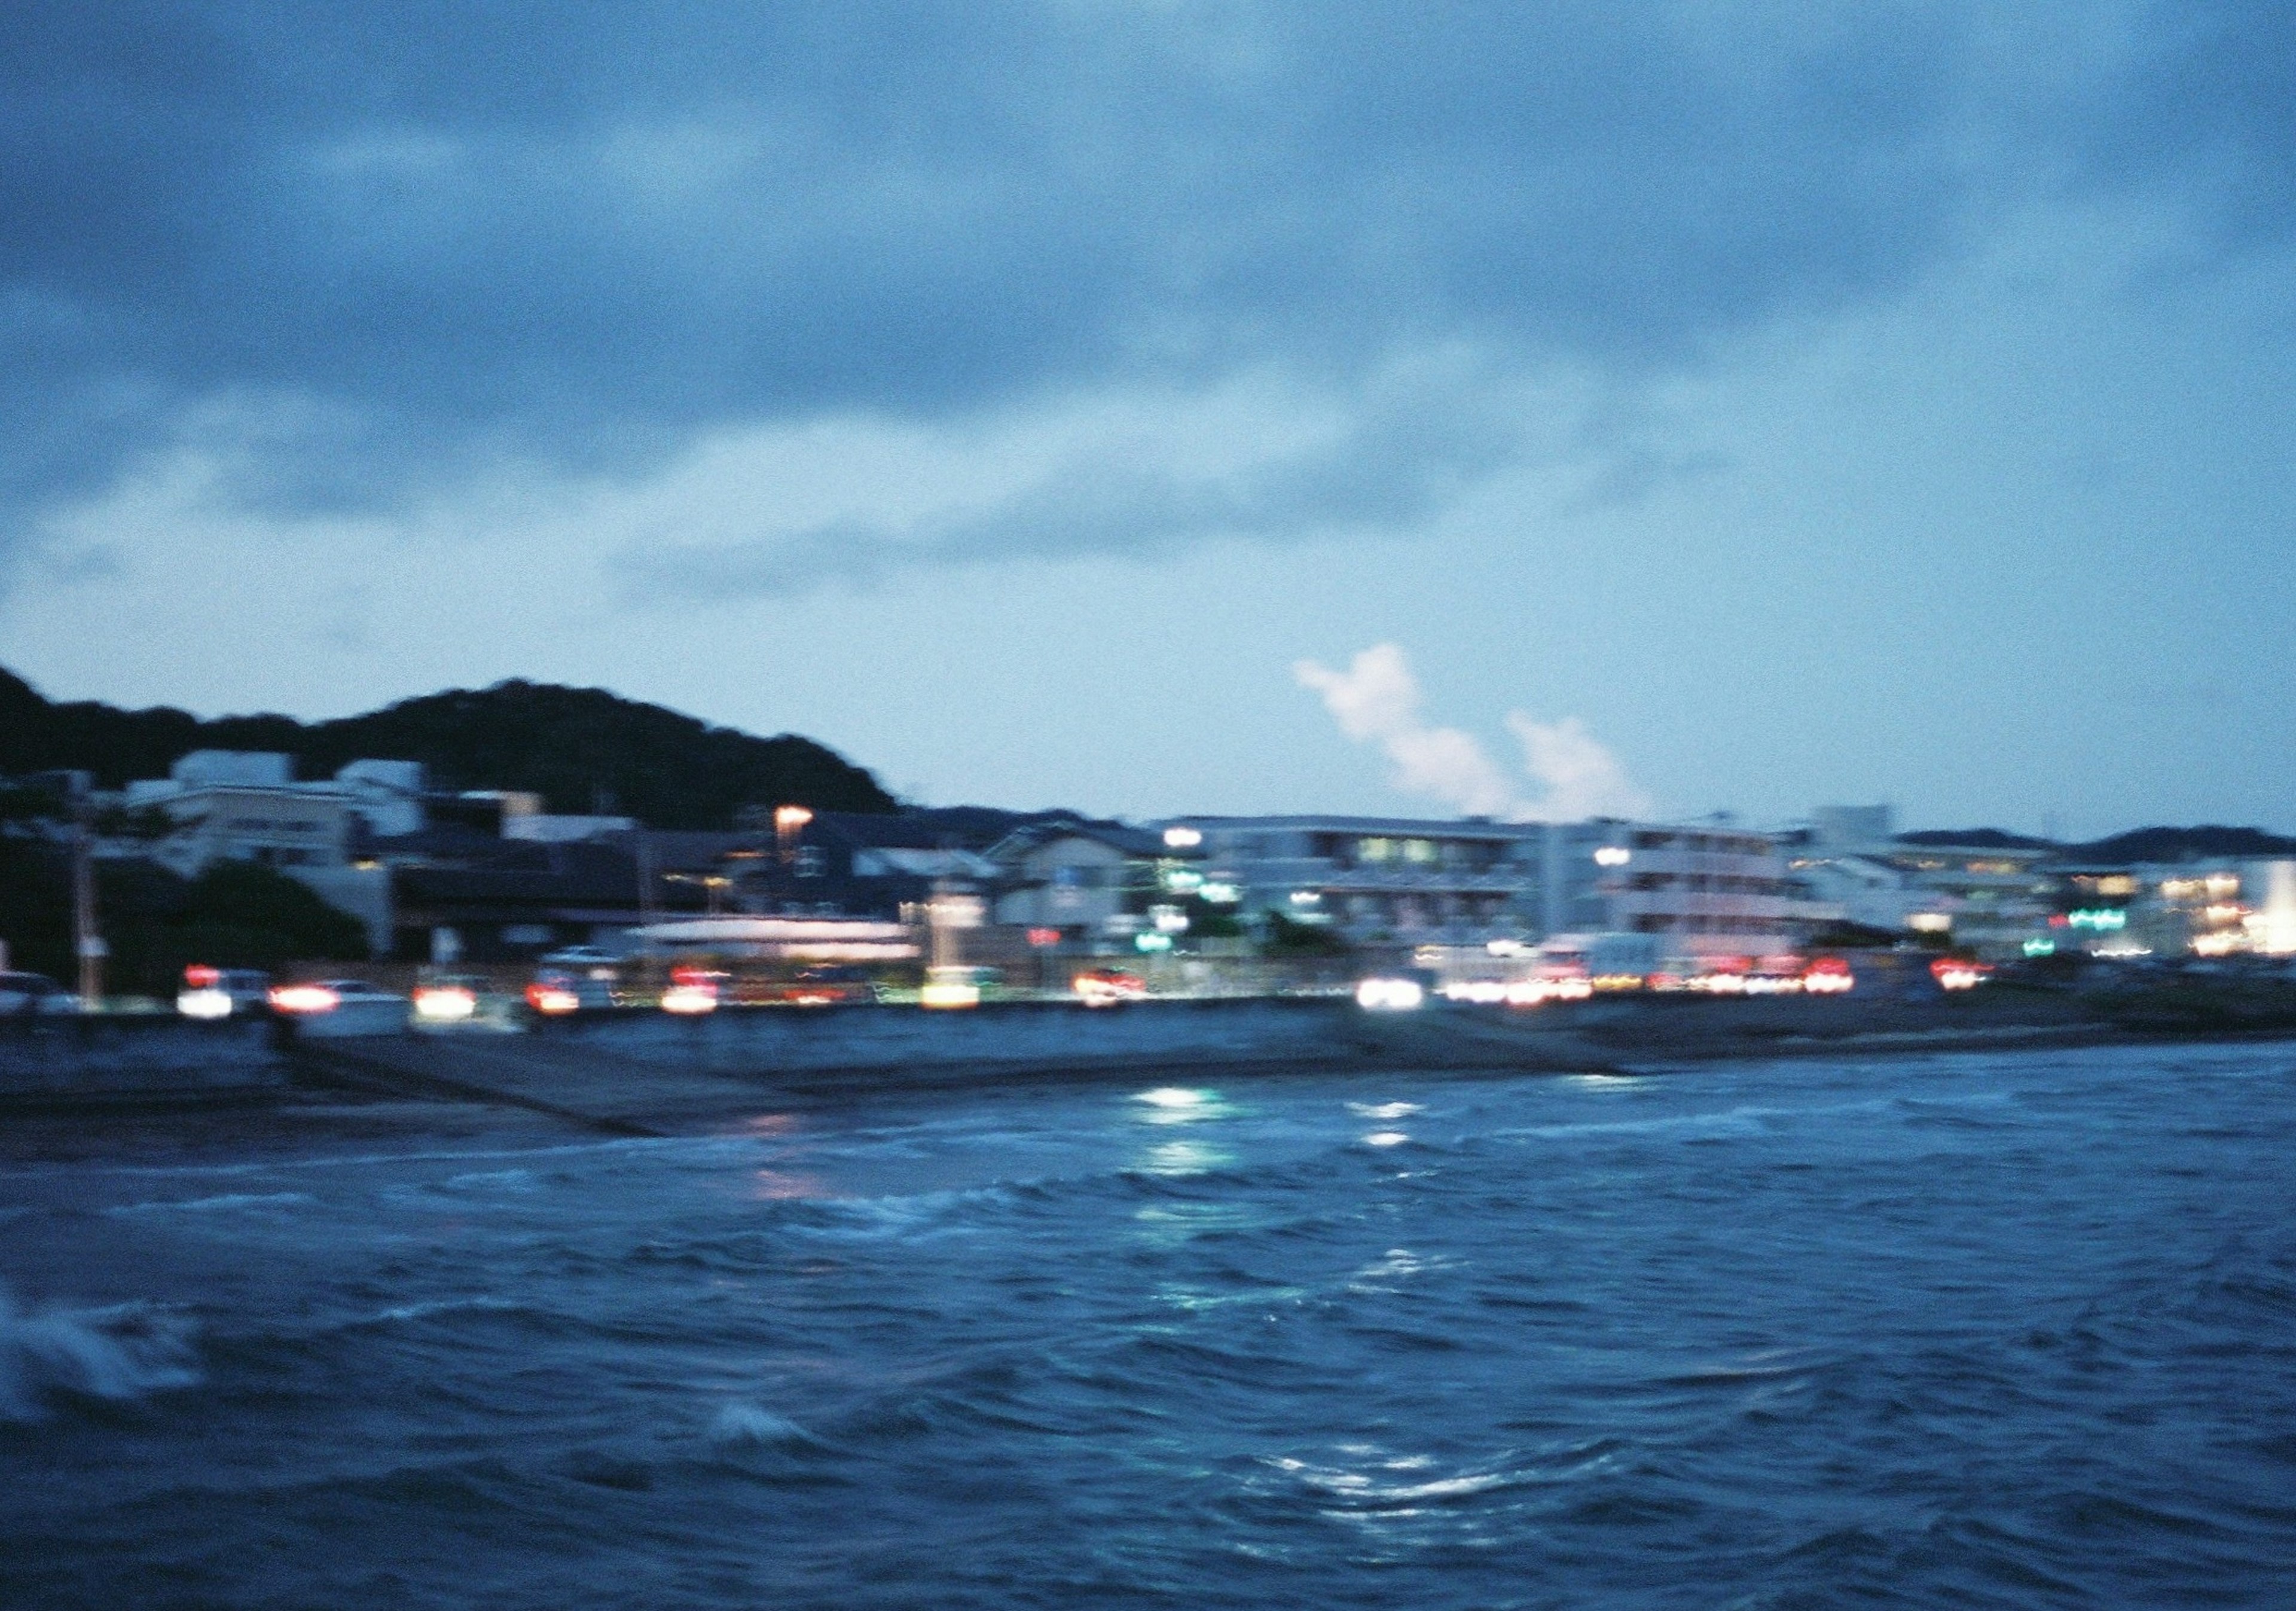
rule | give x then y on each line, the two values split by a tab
582	956
311	996
217	993
26	995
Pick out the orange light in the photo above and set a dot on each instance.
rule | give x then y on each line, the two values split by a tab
304	999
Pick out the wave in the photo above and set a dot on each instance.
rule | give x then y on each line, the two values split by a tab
255	1199
118	1354
741	1425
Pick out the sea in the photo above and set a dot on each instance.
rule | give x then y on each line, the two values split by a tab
1979	1329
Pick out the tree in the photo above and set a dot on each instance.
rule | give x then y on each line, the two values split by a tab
236	914
581	749
1286	938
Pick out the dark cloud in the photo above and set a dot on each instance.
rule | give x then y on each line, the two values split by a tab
1406	447
2205	110
579	230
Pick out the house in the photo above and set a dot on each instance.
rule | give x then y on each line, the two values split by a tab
1093	885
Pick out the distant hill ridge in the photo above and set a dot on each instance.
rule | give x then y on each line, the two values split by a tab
2209	842
581	749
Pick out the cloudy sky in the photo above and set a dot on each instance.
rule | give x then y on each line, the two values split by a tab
1150	405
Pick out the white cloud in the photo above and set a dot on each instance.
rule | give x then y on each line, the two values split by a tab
1582	777
1376	699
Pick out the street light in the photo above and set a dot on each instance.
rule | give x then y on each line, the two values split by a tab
789	821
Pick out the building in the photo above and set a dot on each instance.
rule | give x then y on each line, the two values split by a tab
1705	889
858	864
1708	891
224	805
1096	884
1982	890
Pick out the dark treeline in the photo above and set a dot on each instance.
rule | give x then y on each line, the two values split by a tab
581	749
235	914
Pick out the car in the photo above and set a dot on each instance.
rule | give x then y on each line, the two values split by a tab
557	991
581	955
1108	987
220	992
308	998
28	995
830	985
449	998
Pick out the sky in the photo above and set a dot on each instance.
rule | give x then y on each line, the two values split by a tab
1152	406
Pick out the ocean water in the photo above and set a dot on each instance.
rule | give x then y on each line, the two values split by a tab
1977	1330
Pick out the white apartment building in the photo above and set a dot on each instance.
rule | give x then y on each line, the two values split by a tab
1376	880
1706	889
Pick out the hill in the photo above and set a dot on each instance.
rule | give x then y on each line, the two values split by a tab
580	748
2207	842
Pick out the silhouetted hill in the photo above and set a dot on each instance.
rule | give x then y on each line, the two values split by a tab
581	749
2182	844
2159	844
1976	839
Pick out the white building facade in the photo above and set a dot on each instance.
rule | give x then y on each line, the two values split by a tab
1703	889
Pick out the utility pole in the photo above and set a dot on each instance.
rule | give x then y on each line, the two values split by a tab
645	902
87	943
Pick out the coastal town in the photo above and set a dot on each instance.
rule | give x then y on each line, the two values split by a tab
949	905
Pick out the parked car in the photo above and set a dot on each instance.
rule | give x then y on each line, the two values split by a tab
28	995
310	997
581	955
220	992
1108	987
823	986
556	991
449	998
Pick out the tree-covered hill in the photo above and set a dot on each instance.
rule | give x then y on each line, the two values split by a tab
581	749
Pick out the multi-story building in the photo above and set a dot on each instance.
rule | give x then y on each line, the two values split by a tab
1989	893
1374	880
1704	889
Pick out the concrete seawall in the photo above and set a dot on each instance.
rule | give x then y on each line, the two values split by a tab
64	1061
641	1072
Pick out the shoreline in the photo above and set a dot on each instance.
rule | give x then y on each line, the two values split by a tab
638	1076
